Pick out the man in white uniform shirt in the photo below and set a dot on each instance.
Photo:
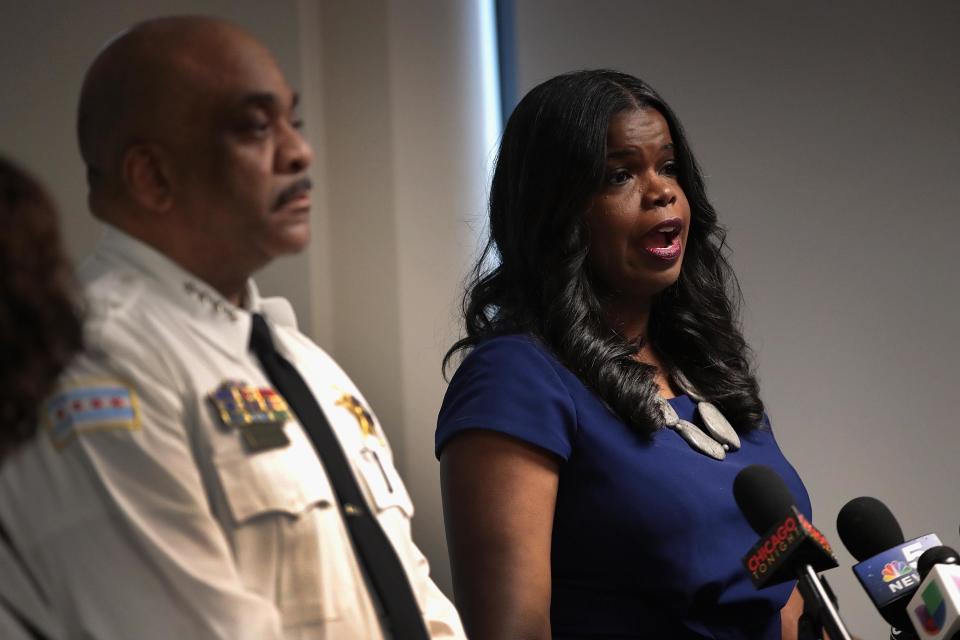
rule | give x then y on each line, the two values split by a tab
173	492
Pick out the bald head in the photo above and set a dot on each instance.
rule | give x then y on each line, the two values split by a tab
191	137
144	86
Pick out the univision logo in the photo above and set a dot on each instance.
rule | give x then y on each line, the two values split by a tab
895	569
933	611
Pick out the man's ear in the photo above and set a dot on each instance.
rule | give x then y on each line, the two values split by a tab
146	173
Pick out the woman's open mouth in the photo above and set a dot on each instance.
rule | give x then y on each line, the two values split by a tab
663	241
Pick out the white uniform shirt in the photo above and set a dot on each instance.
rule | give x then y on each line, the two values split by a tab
20	601
151	519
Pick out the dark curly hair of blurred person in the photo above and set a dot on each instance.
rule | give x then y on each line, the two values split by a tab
551	163
40	313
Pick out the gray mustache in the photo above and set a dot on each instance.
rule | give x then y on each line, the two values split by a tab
291	192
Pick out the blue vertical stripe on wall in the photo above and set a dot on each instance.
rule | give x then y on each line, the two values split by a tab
507	53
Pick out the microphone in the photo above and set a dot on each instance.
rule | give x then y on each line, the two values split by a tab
934	609
787	539
886	567
789	548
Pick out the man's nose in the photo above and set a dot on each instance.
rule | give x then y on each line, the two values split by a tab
294	154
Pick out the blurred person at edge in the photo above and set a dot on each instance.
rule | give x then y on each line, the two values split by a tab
591	435
177	493
41	331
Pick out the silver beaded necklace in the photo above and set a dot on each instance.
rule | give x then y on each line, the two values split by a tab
717	436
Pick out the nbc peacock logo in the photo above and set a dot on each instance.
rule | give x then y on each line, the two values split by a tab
895	569
933	611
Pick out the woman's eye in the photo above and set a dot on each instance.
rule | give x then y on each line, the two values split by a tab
670	168
618	177
297	123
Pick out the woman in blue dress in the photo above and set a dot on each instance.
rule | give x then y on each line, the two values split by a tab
605	402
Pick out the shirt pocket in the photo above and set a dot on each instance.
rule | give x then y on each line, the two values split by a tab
286	535
277	481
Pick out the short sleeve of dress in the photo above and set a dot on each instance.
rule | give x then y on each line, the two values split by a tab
509	384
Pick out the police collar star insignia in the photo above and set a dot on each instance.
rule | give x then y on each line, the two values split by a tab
217	304
257	413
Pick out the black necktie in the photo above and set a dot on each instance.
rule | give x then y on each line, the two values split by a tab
383	566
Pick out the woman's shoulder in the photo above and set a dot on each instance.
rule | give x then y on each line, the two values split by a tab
507	344
512	384
511	353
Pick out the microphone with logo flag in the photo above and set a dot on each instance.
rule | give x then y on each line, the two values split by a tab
934	609
886	566
790	548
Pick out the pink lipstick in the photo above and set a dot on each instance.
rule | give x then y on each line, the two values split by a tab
663	241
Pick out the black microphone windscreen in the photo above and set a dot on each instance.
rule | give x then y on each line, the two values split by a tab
867	528
935	555
762	496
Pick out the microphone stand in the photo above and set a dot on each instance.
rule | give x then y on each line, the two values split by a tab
819	611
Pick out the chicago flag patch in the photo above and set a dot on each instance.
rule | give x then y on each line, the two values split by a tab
94	406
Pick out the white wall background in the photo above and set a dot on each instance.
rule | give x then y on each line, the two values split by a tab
829	134
827	131
406	176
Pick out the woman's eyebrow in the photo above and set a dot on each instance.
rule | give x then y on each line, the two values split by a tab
633	150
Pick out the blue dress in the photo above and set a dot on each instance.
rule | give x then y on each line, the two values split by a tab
647	538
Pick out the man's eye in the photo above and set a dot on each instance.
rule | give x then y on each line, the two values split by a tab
618	177
257	127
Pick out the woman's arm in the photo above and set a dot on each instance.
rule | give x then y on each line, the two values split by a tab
499	495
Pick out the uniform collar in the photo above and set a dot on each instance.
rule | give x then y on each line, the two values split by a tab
216	318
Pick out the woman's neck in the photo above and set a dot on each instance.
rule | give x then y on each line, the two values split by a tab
632	321
629	320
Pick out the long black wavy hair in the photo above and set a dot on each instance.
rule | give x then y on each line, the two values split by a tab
551	163
40	309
